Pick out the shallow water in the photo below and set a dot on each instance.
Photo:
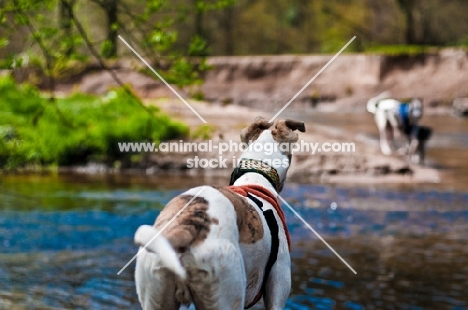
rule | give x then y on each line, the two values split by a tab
63	240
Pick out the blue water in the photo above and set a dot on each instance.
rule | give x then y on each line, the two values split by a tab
63	248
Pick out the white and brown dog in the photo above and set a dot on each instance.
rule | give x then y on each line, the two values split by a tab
230	245
397	119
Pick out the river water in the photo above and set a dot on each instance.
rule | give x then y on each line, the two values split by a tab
63	238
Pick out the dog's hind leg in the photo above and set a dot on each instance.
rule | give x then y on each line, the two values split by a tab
385	132
217	280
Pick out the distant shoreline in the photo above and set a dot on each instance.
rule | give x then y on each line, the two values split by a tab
269	81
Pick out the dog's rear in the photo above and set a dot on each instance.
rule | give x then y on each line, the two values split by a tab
373	103
160	276
158	264
148	236
192	257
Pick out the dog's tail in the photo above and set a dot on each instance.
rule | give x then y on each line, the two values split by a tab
150	238
374	102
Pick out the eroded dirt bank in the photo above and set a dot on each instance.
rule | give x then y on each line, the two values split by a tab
349	81
271	81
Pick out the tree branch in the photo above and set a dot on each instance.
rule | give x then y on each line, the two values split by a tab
49	60
101	62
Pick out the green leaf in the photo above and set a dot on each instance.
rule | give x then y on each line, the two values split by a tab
198	47
106	47
4	42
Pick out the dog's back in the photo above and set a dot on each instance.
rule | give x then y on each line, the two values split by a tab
374	103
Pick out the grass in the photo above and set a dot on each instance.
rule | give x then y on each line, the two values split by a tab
203	132
395	50
37	131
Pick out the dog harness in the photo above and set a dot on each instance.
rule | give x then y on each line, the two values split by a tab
403	114
252	191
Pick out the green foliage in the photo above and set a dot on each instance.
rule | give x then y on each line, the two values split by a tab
161	38
394	50
249	27
46	43
183	73
203	132
37	131
205	6
106	48
59	35
4	42
198	47
166	30
198	95
463	42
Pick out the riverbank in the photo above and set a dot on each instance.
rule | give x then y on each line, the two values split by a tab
239	88
364	165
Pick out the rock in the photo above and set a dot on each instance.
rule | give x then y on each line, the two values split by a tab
460	107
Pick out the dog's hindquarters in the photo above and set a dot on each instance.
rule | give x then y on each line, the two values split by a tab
160	275
196	257
158	263
157	286
387	123
149	238
373	103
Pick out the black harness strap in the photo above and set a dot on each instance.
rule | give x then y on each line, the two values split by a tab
274	230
